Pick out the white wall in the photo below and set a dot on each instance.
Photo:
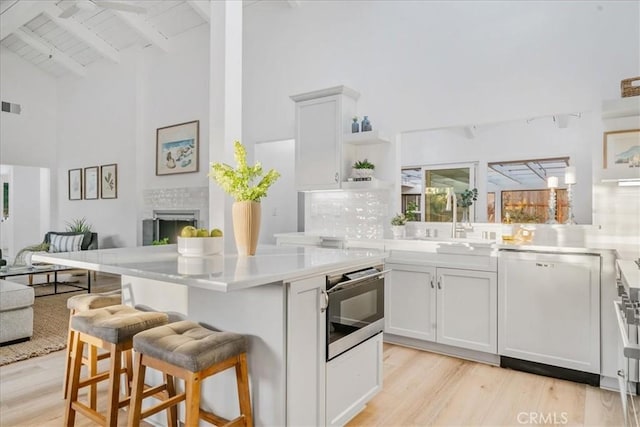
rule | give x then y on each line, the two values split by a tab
424	65
111	116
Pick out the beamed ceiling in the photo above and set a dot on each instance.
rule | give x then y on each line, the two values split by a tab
66	36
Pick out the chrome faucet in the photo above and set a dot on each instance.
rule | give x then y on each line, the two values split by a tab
452	200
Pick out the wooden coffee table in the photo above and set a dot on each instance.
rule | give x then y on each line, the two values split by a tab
47	269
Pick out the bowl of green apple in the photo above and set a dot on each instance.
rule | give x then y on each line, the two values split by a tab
200	241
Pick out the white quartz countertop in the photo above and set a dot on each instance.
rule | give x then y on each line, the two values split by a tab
227	272
630	272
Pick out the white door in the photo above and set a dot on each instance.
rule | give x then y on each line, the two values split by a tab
410	301
467	309
306	352
318	144
280	207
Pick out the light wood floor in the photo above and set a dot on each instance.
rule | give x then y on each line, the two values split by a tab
420	388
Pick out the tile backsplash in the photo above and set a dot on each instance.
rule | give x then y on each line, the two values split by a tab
353	214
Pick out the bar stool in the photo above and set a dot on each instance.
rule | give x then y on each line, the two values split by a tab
77	304
192	353
110	328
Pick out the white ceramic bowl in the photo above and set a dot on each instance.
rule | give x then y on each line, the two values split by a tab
199	246
200	265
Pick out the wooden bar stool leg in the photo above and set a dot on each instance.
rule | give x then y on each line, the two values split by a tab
114	387
67	365
72	395
242	378
92	369
192	405
172	412
135	406
128	361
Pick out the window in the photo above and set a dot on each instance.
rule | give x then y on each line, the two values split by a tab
438	181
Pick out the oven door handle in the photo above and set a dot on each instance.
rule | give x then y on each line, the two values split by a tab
355	282
630	349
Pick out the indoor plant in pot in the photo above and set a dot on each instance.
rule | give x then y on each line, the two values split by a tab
466	199
238	183
362	169
398	223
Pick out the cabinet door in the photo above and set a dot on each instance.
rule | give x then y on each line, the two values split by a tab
467	309
306	352
410	301
318	143
549	309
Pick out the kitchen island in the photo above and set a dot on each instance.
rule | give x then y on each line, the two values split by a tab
276	298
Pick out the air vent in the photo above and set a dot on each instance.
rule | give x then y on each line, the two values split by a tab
8	107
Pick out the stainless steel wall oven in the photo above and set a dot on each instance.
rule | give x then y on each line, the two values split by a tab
355	310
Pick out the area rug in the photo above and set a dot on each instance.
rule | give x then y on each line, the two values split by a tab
51	318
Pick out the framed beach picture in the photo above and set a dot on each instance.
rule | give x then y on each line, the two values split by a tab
75	184
621	153
91	183
177	148
109	181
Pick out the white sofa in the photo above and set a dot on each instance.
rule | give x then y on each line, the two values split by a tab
16	312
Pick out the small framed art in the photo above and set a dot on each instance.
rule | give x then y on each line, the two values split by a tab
109	181
91	183
621	153
75	184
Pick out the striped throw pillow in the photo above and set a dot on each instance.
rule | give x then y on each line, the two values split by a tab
60	243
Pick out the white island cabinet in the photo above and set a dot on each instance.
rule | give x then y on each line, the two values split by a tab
275	298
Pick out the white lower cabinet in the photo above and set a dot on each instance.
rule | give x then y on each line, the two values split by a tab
447	305
306	353
353	378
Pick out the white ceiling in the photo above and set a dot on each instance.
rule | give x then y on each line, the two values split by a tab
34	30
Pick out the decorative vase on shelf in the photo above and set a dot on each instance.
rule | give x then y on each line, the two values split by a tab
366	124
355	127
246	226
465	216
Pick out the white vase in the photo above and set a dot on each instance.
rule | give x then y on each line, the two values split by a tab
398	231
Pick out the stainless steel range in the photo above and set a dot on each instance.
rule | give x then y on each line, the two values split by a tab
628	314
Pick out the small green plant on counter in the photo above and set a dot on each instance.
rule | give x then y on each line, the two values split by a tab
163	241
467	197
79	225
363	164
399	219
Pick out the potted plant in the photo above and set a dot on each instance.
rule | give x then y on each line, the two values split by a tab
363	169
466	199
238	182
79	225
398	223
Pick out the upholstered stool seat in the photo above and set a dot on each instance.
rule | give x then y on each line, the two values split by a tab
77	304
110	328
191	352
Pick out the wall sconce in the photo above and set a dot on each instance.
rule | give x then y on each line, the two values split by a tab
552	184
570	180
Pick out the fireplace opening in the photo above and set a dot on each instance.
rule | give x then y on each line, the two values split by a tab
167	224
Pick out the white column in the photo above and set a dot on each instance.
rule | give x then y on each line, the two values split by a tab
225	104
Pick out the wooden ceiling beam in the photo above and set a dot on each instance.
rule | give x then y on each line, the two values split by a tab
202	8
54	54
19	14
80	31
142	27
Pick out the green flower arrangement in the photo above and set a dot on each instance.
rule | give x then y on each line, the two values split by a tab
238	182
467	197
